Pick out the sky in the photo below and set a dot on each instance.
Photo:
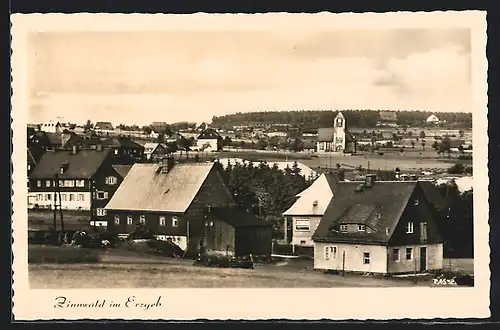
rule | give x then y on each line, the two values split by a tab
171	76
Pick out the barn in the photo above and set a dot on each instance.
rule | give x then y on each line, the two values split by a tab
236	232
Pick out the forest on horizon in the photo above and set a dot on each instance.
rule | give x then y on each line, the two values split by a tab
314	119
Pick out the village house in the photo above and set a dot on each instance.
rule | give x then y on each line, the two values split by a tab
154	151
306	213
236	232
387	118
126	150
337	138
170	199
384	227
104	127
309	143
432	119
51	126
209	140
81	180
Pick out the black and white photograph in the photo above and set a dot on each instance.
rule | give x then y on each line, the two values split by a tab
247	154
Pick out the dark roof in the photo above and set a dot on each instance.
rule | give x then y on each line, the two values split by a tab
121	142
378	207
387	116
105	125
122	169
83	164
237	218
326	135
433	195
209	133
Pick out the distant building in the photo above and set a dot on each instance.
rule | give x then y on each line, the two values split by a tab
432	119
387	118
51	126
337	138
125	149
379	227
209	140
154	151
104	127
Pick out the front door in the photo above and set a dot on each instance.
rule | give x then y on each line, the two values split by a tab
423	259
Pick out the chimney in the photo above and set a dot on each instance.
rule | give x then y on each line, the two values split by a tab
168	164
64	167
370	180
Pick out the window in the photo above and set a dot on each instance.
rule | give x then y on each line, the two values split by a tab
361	228
142	219
111	180
69	183
39	183
101	212
80	197
71	197
162	221
423	231
175	222
395	255
409	253
39	197
409	228
343	228
416	202
129	219
330	252
47	183
302	225
366	258
102	195
116	151
48	197
302	242
61	183
80	183
117	219
64	197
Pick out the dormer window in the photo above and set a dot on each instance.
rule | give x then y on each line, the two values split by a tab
416	202
315	204
361	228
343	228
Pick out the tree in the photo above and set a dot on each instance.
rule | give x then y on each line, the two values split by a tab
445	145
147	130
461	149
423	145
88	126
435	145
413	143
160	138
461	133
422	135
227	141
171	147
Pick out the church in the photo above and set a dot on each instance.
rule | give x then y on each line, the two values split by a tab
336	139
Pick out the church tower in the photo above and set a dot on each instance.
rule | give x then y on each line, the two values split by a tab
339	133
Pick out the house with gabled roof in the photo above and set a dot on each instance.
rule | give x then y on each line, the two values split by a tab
104	127
126	150
209	140
306	213
154	151
82	180
170	199
387	118
385	227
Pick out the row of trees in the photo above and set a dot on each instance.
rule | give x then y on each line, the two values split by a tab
310	120
458	222
264	189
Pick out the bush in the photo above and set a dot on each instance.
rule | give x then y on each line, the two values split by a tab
61	255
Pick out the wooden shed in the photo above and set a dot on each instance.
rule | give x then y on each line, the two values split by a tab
236	232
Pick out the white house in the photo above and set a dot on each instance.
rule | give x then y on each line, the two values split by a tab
308	209
51	126
432	119
208	140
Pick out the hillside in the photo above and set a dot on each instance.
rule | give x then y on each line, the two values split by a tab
314	119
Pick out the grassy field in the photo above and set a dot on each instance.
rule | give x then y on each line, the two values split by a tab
129	270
